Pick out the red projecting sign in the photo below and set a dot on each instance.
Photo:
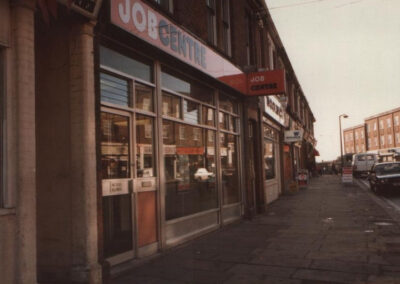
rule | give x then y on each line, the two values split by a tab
258	83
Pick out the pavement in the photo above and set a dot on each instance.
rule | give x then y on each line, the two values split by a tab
327	233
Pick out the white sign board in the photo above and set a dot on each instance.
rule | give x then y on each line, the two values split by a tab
115	187
274	109
347	175
293	136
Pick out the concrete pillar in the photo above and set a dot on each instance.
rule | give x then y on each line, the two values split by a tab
85	265
22	80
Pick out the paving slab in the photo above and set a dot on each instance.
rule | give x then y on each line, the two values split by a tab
327	233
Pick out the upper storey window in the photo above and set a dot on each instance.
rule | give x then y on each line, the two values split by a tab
211	22
226	27
166	4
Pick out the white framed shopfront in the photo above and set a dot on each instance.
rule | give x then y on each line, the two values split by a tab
272	160
177	229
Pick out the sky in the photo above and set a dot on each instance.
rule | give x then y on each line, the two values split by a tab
346	56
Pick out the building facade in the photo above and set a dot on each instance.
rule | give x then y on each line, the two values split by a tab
380	133
121	140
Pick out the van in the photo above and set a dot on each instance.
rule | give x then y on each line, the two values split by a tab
362	163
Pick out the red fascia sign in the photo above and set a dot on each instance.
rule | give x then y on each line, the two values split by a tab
263	83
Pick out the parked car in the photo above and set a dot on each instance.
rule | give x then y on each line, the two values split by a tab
384	176
202	174
362	163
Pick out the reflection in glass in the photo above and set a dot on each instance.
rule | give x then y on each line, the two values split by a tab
223	119
232	124
171	106
144	97
190	88
208	116
189	170
191	112
269	159
133	67
114	146
114	90
228	104
229	168
144	147
117	212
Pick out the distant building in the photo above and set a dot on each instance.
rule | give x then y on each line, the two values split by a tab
380	133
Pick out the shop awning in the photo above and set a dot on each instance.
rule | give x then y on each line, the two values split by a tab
316	153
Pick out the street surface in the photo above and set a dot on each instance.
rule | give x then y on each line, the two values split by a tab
391	198
327	233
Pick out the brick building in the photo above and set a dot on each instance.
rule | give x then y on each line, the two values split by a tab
382	133
121	136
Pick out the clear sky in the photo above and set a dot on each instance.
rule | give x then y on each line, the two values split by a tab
346	55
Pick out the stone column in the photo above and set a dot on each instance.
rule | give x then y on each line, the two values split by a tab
85	264
23	155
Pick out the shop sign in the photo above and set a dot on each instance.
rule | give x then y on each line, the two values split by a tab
87	8
139	19
347	175
266	83
293	136
274	109
169	149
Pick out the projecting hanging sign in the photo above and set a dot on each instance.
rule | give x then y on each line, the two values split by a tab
293	136
266	83
263	83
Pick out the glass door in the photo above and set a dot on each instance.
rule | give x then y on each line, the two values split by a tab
117	167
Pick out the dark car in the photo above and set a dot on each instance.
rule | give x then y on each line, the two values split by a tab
384	176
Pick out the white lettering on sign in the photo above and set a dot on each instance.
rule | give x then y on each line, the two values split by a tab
257	79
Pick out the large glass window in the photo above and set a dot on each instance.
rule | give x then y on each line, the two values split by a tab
145	164
176	83
190	170
229	168
270	147
115	147
114	90
133	67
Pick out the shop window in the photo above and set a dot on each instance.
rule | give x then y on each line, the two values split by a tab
208	116
114	90
269	159
128	65
229	168
211	22
190	170
145	163
144	97
171	105
191	112
115	148
228	104
223	121
190	88
226	27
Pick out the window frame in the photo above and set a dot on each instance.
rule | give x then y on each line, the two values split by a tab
226	26
212	33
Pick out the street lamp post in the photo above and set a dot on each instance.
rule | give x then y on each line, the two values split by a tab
341	147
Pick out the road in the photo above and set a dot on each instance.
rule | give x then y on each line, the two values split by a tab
392	198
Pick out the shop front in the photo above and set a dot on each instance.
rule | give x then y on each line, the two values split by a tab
169	143
273	123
